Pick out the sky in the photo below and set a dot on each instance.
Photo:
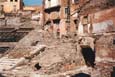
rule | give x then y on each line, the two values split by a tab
32	2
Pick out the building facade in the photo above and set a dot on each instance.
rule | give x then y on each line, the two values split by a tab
11	5
96	20
58	18
87	18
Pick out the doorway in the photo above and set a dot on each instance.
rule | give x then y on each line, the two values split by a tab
89	56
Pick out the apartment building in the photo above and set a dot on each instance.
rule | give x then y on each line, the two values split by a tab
11	5
76	16
58	18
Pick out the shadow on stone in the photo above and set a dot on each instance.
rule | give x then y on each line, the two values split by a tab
89	56
1	75
81	75
113	73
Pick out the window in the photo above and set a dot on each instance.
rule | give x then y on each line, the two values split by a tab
85	20
67	10
85	29
85	23
11	0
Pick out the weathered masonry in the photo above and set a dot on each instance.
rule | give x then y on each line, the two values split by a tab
11	5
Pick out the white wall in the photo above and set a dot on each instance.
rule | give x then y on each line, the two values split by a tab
103	26
54	2
80	29
47	3
51	3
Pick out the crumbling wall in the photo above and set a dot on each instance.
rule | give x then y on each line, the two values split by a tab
105	46
92	6
13	21
105	26
10	22
103	21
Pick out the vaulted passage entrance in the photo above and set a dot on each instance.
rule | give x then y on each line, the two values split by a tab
89	56
113	72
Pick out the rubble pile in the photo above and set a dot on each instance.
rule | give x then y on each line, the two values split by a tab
105	69
59	56
62	49
20	52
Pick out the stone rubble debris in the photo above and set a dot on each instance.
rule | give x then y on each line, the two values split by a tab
40	53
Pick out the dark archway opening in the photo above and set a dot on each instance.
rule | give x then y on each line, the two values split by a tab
113	73
81	75
89	56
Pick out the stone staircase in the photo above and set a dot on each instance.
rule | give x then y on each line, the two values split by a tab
33	36
8	64
7	44
22	51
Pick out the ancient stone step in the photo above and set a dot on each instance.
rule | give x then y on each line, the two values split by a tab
8	64
7	44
